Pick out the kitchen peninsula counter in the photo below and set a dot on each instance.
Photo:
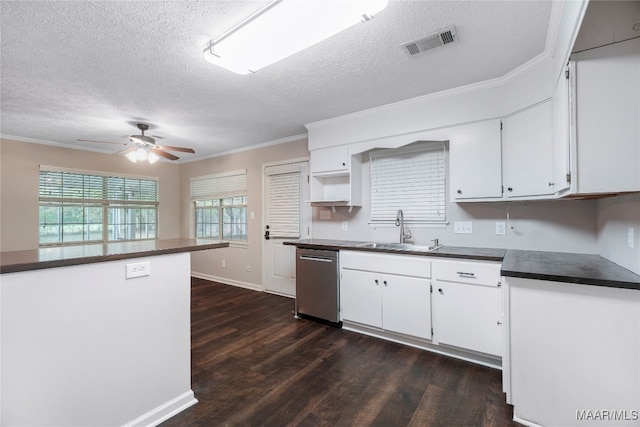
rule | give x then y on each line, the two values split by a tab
97	334
63	256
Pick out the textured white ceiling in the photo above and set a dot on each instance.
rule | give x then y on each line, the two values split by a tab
92	69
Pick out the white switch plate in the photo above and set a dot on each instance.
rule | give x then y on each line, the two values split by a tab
345	225
252	215
630	237
501	228
138	269
463	227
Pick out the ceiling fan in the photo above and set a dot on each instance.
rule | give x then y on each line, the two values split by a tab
143	147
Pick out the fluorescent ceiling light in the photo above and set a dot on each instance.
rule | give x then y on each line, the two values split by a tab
285	27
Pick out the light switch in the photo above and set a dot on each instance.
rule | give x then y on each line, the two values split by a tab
463	227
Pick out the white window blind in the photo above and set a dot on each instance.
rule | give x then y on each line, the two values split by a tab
283	201
219	186
56	185
412	179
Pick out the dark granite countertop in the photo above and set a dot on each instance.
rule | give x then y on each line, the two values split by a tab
585	269
63	256
479	254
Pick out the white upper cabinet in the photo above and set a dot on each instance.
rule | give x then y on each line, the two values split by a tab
475	161
528	152
329	160
336	177
605	139
561	135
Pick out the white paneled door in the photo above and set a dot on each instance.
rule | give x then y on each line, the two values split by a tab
287	217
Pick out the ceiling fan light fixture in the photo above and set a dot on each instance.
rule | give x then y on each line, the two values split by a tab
152	157
132	156
286	27
141	154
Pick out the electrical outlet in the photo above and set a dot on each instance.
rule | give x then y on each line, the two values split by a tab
630	237
501	228
138	269
463	227
345	225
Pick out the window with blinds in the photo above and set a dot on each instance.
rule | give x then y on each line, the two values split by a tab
78	207
283	201
410	178
220	206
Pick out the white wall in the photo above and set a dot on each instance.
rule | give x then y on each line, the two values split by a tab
556	225
82	346
616	215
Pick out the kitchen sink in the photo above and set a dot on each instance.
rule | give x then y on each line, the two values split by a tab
397	247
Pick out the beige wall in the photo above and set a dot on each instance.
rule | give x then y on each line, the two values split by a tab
19	170
243	265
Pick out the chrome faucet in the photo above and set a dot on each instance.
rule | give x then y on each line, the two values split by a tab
405	233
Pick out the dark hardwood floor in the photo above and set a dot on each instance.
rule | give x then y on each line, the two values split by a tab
253	364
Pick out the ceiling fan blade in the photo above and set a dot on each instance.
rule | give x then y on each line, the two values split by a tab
182	149
164	154
102	142
126	150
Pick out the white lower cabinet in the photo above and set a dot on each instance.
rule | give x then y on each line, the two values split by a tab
452	303
468	316
380	298
467	306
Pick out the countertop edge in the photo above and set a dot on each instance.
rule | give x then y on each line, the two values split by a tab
92	259
624	280
570	279
438	253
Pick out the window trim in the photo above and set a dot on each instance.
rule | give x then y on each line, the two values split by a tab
104	204
240	190
417	147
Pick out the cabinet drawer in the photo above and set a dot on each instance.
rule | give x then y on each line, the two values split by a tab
474	272
405	265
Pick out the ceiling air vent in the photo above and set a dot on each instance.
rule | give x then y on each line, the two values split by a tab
441	38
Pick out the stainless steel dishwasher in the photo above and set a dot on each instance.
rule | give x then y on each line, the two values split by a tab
318	285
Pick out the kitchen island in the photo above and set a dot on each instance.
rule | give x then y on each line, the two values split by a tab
96	334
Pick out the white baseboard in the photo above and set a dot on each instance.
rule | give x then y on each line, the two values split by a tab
226	281
165	411
524	422
467	355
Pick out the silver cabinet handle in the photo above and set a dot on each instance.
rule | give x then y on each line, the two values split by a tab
313	258
462	273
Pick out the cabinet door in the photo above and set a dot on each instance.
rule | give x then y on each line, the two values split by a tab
561	135
331	159
468	316
475	161
361	297
406	305
528	152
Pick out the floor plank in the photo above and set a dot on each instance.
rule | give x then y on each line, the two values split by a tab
253	364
